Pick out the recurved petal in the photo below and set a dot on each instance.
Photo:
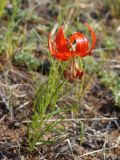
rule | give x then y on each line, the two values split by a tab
81	43
93	38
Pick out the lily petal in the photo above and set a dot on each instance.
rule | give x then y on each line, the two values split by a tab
62	52
61	42
64	56
93	38
81	44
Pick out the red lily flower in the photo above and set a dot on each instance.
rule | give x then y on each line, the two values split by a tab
62	48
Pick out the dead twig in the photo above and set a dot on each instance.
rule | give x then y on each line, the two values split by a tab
77	120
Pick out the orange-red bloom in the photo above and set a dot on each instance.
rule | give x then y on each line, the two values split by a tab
62	48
